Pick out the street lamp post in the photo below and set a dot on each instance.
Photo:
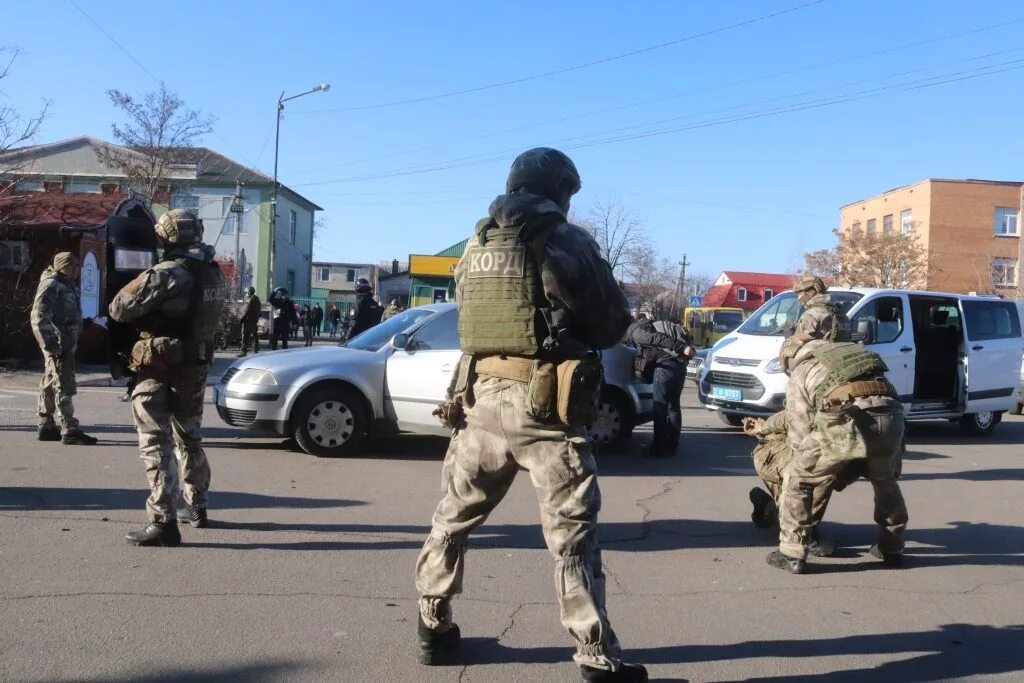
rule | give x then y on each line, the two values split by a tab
323	87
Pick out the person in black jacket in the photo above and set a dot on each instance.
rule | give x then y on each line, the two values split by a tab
318	319
668	346
284	316
367	312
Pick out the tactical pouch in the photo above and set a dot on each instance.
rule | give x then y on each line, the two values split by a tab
579	391
841	436
542	392
155	352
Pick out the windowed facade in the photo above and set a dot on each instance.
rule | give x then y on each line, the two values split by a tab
29	186
323	273
887	224
82	186
768	294
350	275
13	255
906	222
1006	222
741	294
855	228
293	226
871	226
1004	272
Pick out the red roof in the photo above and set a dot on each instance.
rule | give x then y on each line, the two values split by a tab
780	282
755	285
55	209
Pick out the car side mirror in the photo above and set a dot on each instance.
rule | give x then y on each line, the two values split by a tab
400	341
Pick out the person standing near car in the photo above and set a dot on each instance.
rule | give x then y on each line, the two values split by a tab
821	318
283	312
318	319
56	323
177	306
367	312
308	325
250	322
666	346
536	299
334	319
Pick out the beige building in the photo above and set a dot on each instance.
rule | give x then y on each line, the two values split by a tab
970	230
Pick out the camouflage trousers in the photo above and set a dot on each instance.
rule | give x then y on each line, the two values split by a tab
484	456
56	388
168	412
812	468
770	461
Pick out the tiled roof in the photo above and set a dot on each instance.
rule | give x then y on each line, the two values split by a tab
217	168
49	210
780	281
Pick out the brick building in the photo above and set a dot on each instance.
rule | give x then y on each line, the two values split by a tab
969	229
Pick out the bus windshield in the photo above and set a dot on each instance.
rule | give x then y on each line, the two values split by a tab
727	321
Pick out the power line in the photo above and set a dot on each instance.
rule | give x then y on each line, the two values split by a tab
813	104
630	105
568	69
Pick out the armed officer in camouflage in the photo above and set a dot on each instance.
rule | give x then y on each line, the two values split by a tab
841	409
177	305
56	323
821	318
535	299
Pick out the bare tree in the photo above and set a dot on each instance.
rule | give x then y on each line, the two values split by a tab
159	132
16	129
618	230
884	260
651	280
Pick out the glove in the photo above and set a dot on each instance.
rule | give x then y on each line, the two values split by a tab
450	414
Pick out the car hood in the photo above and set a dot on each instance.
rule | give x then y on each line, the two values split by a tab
290	362
746	346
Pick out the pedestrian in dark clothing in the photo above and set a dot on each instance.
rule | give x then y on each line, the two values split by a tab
284	316
334	318
250	322
318	319
308	325
667	346
368	312
296	320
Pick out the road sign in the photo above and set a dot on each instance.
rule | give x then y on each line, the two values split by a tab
694	300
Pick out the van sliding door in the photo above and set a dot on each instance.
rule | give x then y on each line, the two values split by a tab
994	348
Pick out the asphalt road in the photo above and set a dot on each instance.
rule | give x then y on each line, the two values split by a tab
306	574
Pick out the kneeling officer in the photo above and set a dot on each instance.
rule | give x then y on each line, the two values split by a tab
177	305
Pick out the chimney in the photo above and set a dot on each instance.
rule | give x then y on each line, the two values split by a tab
394	267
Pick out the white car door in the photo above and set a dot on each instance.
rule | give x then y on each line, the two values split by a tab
882	322
993	353
417	376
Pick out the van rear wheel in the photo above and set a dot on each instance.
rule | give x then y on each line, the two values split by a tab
979	424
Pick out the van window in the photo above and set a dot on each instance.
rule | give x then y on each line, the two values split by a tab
991	320
785	309
880	321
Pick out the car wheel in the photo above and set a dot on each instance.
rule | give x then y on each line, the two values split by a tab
1019	410
979	424
730	419
330	422
614	423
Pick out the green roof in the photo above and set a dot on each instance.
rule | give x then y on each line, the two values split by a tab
454	250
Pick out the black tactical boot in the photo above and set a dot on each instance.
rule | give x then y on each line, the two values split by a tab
438	649
819	547
790	564
193	516
888	559
627	673
156	533
765	513
76	437
49	433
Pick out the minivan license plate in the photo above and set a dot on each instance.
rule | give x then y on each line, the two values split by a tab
728	394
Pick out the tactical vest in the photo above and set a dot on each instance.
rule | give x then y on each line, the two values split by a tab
840	330
501	295
845	362
194	317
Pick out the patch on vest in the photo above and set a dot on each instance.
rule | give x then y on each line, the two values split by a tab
497	262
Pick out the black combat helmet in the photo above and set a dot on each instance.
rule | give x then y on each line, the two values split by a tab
363	286
547	172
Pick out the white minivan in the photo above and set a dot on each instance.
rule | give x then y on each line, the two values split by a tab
950	356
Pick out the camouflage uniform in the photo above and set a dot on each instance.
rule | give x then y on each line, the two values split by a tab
820	320
167	402
497	436
814	466
56	323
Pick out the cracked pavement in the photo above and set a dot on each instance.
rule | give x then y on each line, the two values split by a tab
306	573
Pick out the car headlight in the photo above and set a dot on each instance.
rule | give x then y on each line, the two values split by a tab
254	376
774	367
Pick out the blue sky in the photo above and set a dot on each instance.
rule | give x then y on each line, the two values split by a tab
736	188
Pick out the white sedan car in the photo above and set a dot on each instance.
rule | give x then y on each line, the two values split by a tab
389	378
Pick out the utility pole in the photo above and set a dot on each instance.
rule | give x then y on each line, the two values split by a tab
237	209
680	286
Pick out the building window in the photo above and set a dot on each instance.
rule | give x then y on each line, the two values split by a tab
189	202
768	294
855	229
1004	272
887	224
350	276
906	222
290	279
1006	221
225	213
871	226
323	273
293	226
741	294
29	186
13	256
82	186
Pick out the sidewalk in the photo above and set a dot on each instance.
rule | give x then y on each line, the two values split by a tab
89	375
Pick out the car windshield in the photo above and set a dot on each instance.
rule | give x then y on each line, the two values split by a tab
376	337
785	309
727	321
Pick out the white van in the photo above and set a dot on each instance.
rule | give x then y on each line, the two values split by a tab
950	356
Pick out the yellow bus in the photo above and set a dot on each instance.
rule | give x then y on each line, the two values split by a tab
709	324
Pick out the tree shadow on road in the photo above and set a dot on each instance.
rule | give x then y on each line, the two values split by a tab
35	498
